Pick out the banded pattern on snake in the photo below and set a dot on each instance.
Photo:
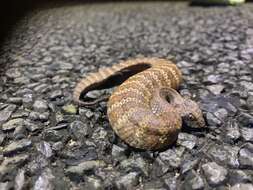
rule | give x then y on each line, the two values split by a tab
145	110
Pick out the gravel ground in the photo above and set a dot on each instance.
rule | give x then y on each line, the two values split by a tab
46	142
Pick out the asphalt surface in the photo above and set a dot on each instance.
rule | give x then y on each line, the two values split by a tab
47	142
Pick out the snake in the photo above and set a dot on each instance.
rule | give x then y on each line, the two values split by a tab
145	110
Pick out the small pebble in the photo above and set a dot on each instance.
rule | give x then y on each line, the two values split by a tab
40	106
70	109
45	149
16	146
214	173
12	124
246	156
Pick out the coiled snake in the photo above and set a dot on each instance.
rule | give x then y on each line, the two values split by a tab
145	110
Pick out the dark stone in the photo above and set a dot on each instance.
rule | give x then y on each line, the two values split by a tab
5	114
5	185
232	152
135	163
154	185
45	149
15	100
212	104
216	88
187	140
20	132
118	152
247	134
232	132
247	85
56	94
94	94
59	126
250	102
212	79
52	135
2	105
218	154
245	120
99	134
40	106
171	183
185	64
16	146
28	100
108	176
232	108
128	181
212	120
37	77
42	88
59	117
193	181
21	80
240	91
62	65
185	92
172	157
44	181
221	114
242	186
80	169
2	137
76	156
79	130
20	180
36	116
188	165
239	176
10	164
52	107
57	146
215	174
168	160
93	183
13	73
37	164
86	112
225	155
246	156
32	126
20	113
12	124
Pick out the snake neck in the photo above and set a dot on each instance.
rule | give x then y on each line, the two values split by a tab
162	107
188	109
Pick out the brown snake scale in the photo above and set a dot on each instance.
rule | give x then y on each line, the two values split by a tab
145	111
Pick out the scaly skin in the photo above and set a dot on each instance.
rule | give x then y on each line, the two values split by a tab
145	111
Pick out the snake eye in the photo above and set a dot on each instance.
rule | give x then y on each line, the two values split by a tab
191	117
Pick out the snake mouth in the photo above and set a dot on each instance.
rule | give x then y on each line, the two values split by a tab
194	123
184	106
202	123
189	123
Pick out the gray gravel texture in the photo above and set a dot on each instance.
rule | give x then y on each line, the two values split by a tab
48	143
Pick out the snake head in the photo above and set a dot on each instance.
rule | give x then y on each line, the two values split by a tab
192	114
188	109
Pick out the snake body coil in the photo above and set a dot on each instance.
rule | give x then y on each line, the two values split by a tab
145	111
